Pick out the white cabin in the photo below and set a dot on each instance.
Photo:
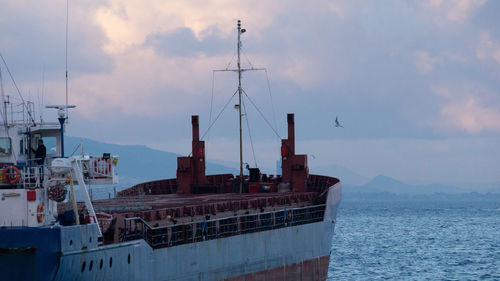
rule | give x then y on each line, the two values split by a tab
30	190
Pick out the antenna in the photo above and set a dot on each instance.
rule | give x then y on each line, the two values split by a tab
43	90
67	26
61	112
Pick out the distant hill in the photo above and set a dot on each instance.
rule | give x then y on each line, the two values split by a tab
137	163
386	184
346	175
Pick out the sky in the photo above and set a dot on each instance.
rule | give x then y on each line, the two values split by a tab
415	83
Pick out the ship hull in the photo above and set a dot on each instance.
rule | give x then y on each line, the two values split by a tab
298	252
313	269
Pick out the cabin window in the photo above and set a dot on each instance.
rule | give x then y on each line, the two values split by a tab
50	144
23	146
5	147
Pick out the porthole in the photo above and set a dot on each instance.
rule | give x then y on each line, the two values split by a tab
100	264
83	266
128	258
90	265
110	261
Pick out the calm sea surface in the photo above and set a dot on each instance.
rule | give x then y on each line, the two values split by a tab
439	240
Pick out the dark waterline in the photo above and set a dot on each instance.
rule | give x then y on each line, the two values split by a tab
416	240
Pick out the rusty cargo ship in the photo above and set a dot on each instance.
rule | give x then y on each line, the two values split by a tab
191	227
200	227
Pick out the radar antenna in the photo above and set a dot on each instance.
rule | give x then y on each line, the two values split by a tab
61	112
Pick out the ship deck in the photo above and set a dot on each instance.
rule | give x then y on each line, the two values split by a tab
159	204
186	201
170	208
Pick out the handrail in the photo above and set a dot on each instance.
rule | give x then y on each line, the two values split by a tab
31	176
172	235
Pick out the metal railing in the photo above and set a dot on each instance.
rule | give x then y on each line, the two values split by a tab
172	235
27	176
32	177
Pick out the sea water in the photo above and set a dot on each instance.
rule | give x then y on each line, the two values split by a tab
416	240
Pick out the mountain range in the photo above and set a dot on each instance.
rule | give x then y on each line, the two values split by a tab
139	163
383	183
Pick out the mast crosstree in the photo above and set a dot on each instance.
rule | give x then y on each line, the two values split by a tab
240	91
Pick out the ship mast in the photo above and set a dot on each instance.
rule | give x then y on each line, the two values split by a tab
240	31
240	96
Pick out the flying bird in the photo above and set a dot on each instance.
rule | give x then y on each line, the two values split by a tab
337	124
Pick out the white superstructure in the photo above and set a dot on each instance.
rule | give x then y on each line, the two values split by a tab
29	187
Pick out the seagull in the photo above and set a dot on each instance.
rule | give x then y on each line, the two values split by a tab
337	124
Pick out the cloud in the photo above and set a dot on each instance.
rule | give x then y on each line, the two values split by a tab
130	23
160	47
182	42
145	66
144	83
488	48
471	116
182	32
450	11
344	9
34	36
455	57
302	70
466	109
424	62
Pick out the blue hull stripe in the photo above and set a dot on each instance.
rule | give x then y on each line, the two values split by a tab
29	253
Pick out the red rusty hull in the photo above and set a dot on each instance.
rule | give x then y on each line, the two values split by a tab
309	270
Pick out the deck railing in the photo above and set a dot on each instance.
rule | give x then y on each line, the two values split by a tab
172	235
32	176
26	176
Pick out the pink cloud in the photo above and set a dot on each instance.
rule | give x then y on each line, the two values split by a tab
128	23
424	62
488	48
471	116
466	109
455	11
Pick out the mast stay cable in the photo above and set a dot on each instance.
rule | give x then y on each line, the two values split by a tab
248	60
4	117
218	115
272	103
249	134
210	116
4	114
230	61
76	148
241	103
17	88
268	88
262	115
217	118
